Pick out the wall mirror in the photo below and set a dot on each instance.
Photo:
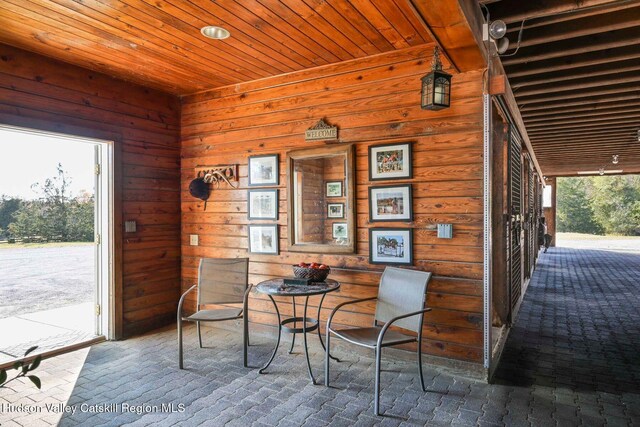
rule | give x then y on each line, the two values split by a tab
320	197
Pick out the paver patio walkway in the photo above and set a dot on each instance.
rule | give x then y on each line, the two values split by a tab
571	359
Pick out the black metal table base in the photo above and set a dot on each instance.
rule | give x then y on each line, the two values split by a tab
309	324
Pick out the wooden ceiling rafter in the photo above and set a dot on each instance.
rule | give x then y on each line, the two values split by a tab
511	13
563	77
563	48
588	59
594	108
584	27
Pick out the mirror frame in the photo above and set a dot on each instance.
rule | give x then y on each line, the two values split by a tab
348	151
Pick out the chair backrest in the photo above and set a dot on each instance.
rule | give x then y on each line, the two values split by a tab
222	280
402	291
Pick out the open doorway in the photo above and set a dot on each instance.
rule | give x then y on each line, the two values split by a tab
55	241
598	212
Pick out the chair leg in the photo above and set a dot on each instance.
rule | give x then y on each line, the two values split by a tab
199	334
420	366
180	364
326	360
376	395
245	336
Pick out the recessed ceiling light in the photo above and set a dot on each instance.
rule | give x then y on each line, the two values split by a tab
213	32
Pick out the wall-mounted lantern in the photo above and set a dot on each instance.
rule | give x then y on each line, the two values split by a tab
436	86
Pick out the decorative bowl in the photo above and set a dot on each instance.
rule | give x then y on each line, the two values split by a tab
315	274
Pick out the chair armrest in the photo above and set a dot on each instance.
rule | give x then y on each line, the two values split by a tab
395	319
339	306
181	302
245	299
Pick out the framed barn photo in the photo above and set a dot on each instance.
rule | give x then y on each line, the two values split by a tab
340	230
335	210
263	170
334	189
390	203
390	246
390	161
262	204
263	239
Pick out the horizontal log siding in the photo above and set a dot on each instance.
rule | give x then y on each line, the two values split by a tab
41	93
373	100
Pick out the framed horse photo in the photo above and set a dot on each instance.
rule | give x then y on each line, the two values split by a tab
390	161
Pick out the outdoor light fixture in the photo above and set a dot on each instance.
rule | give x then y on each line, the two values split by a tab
213	32
436	86
497	31
615	159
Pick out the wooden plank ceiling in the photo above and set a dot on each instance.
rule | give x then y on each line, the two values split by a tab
576	79
157	43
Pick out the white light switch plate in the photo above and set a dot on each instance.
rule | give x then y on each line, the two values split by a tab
193	239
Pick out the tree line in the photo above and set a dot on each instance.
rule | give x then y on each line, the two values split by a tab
55	215
599	205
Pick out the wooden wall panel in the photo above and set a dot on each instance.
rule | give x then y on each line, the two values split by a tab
373	100
41	93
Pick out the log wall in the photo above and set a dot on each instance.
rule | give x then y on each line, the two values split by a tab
372	100
41	93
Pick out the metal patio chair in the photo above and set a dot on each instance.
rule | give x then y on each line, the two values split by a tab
400	302
220	281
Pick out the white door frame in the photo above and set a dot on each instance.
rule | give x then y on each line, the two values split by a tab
104	224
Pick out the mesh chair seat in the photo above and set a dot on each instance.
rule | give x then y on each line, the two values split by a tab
215	315
400	302
368	337
220	281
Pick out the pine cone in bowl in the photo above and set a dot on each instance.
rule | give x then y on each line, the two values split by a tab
306	271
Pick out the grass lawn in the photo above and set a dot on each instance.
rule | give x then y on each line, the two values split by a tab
5	245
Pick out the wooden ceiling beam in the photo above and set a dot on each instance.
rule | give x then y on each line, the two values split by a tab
635	95
560	144
455	31
539	134
602	158
563	48
582	27
540	8
554	115
577	122
611	136
553	19
552	111
599	82
620	145
569	62
584	73
583	93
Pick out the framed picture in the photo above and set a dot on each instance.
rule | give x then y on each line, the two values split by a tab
340	230
263	239
263	170
335	210
390	161
334	189
263	204
390	203
390	246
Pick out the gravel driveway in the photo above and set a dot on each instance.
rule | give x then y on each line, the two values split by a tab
35	279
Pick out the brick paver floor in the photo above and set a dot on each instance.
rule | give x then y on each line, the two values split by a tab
573	358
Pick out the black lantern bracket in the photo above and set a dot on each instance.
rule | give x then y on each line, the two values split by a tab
436	86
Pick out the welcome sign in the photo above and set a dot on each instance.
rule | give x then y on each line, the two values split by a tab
321	131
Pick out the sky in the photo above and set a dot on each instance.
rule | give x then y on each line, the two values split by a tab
27	158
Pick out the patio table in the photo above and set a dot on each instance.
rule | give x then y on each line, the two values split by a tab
277	287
